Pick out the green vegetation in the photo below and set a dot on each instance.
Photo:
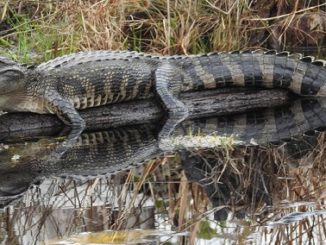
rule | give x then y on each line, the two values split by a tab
35	40
35	31
205	231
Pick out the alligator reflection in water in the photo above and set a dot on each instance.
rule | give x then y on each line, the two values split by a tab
114	150
93	155
262	127
111	151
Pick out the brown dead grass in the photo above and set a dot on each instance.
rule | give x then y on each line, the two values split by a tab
160	26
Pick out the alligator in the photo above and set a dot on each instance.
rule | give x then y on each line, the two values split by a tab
110	151
89	79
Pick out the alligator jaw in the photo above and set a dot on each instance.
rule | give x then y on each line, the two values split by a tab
16	102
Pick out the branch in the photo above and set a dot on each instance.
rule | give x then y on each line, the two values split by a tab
200	104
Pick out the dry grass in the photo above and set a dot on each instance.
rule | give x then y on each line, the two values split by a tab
53	28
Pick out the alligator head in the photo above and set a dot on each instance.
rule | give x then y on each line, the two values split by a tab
12	75
14	184
16	83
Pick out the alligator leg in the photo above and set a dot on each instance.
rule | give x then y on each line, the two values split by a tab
67	113
168	82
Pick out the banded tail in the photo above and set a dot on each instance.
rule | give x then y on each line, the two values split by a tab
272	125
301	75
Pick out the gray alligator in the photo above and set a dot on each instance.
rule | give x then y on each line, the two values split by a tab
90	79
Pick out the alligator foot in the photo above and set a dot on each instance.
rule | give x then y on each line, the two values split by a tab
168	84
69	141
164	137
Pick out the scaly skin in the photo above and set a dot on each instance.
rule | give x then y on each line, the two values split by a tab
89	79
108	152
93	154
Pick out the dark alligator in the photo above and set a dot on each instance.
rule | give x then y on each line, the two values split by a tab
90	79
111	151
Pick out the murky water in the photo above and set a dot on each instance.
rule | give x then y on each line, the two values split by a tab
115	186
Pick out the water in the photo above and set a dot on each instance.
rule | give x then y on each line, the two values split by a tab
115	186
169	207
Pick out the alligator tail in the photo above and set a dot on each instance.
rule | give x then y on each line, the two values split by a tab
305	116
301	75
